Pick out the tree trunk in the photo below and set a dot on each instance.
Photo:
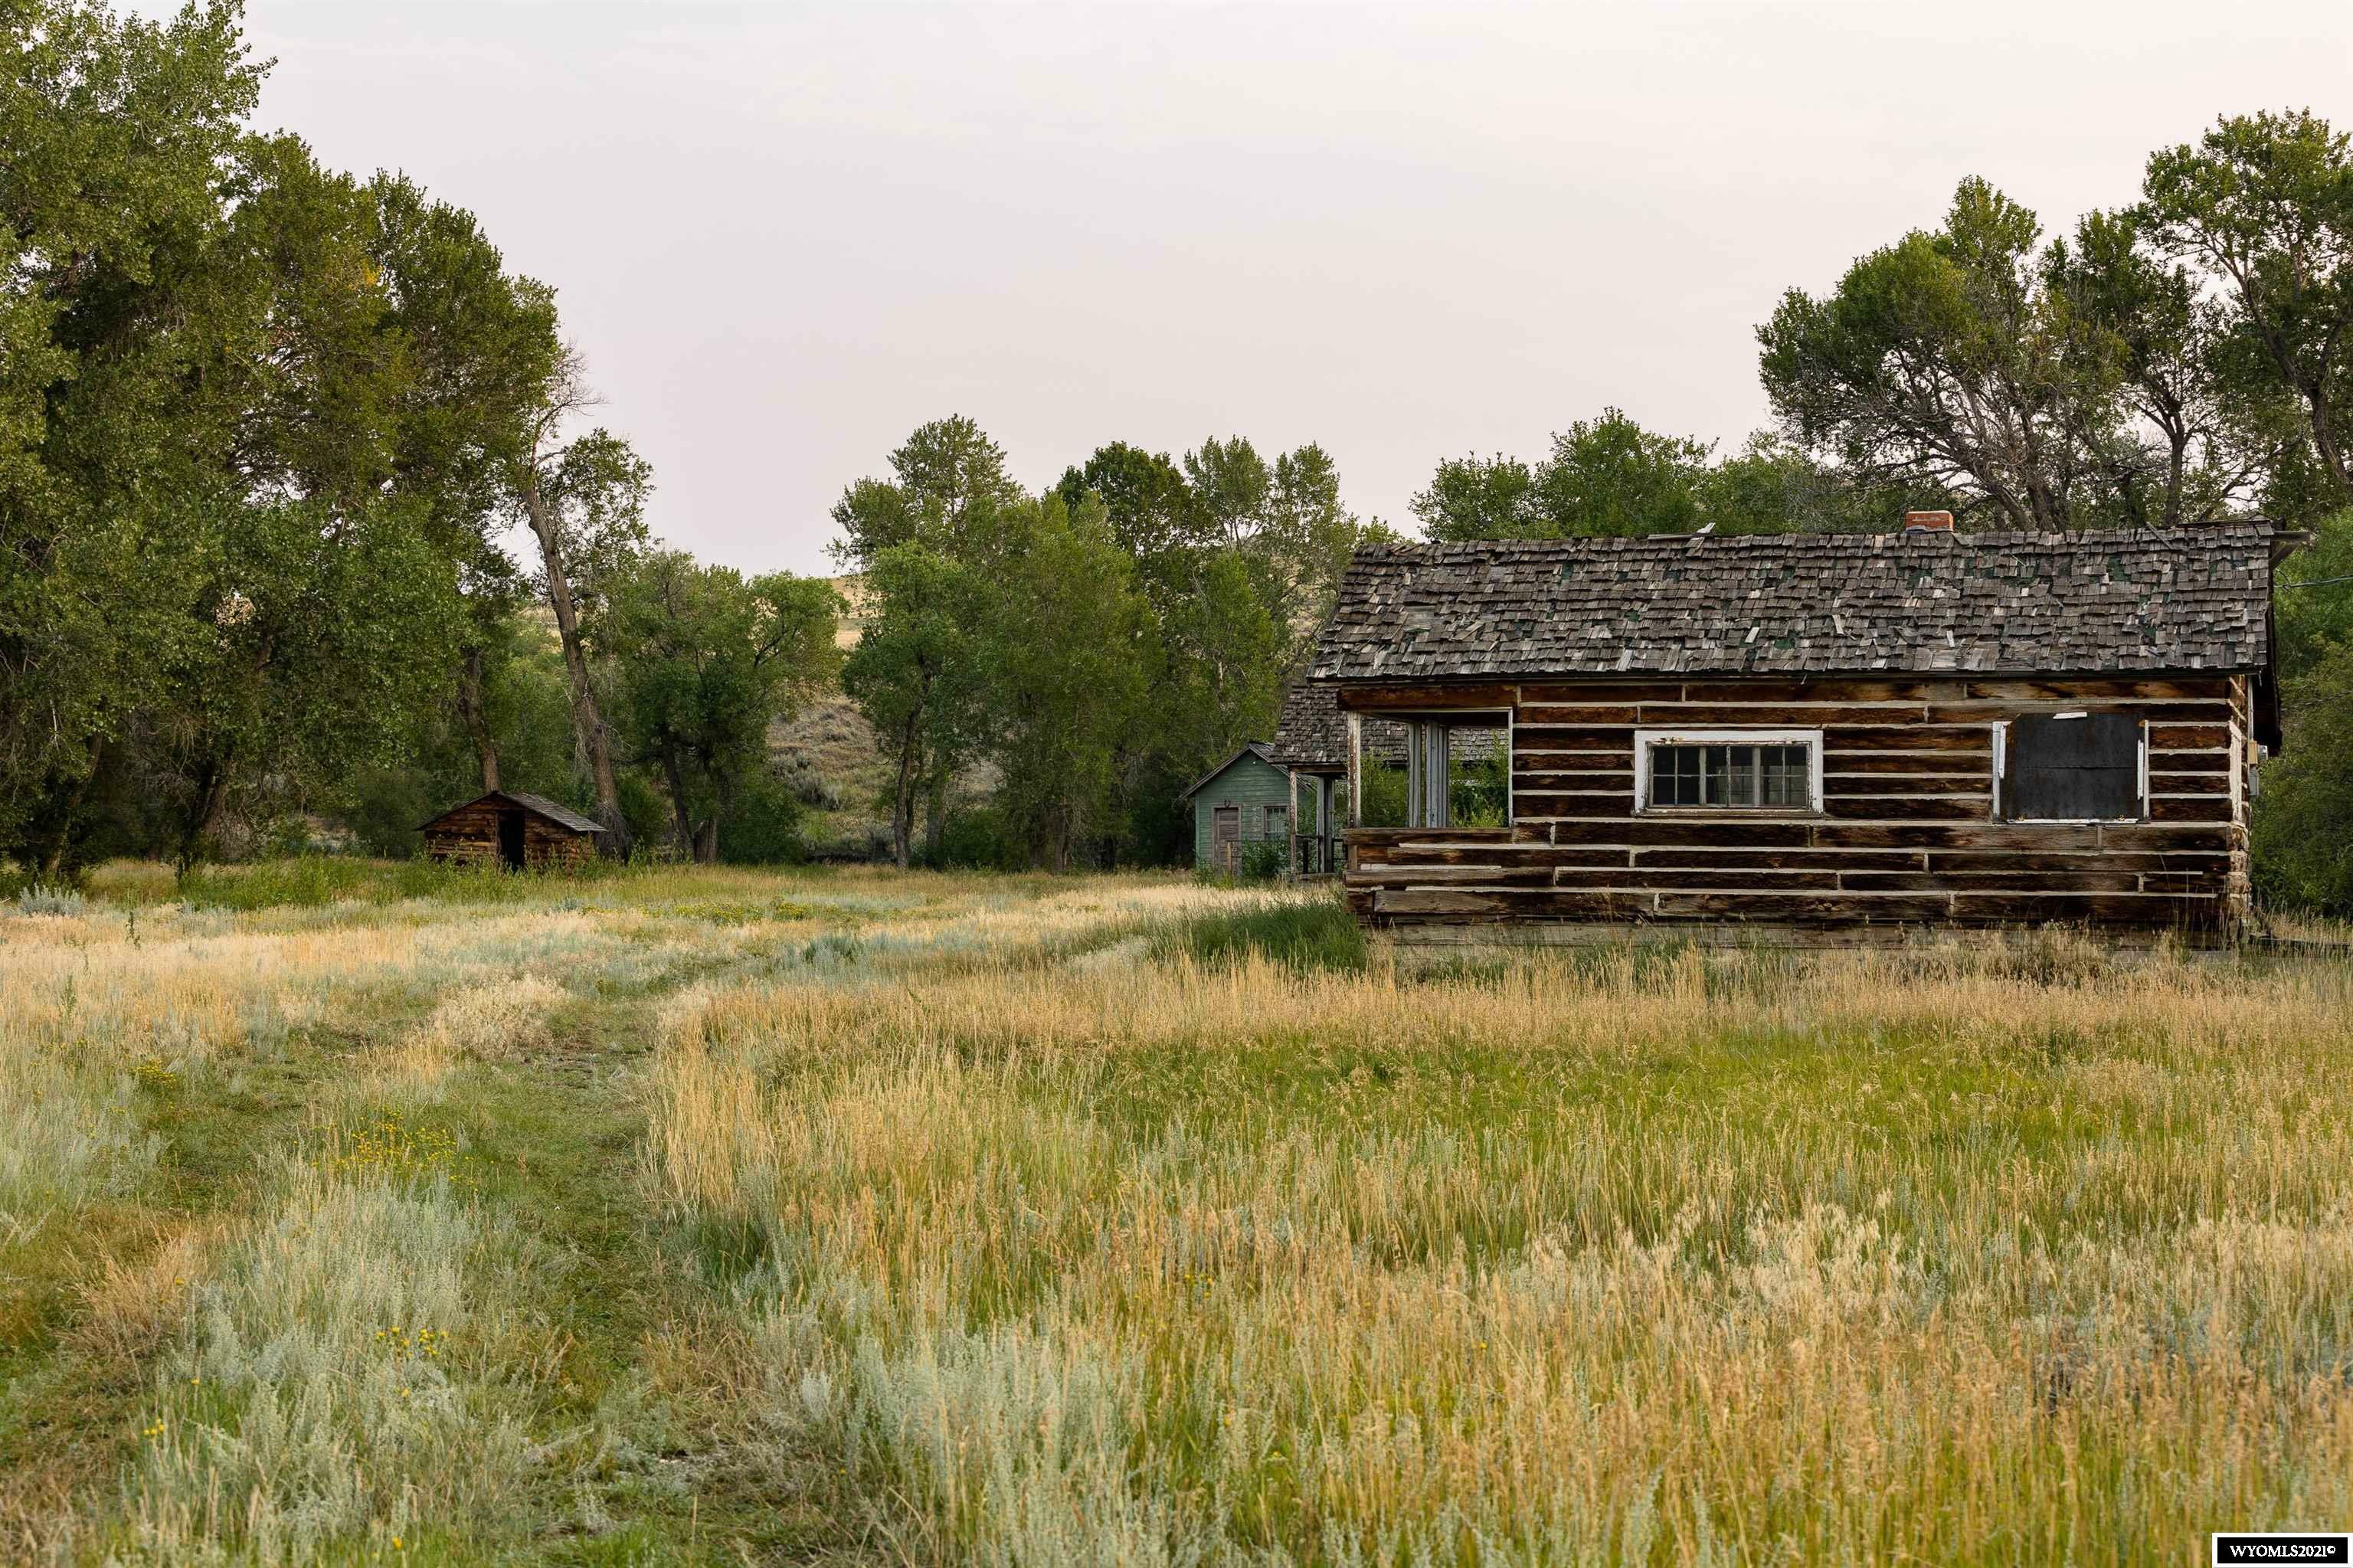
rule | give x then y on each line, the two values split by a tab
903	808
936	814
210	798
587	724
674	773
2325	438
52	846
469	714
706	840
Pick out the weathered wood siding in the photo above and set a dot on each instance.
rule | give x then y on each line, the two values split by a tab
1252	785
1907	832
471	833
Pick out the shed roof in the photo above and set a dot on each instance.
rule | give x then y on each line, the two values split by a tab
1261	749
2122	600
564	816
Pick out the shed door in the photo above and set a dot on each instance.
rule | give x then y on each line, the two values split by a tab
1226	838
511	840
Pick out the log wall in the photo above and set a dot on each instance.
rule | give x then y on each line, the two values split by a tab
1906	833
471	833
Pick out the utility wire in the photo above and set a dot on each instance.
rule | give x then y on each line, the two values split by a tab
2319	582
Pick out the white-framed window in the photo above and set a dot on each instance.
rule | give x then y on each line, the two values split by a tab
1763	770
2071	768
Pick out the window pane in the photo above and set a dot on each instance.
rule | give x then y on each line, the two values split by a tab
1674	775
1730	775
1787	775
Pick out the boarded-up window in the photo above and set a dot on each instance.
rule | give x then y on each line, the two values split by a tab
2072	768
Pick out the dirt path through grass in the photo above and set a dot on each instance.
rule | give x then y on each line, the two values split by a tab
611	1362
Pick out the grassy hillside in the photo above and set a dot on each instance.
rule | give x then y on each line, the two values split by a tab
710	1216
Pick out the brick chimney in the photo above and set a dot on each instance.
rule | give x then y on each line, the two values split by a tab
1927	522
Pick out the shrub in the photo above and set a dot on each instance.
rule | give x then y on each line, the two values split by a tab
1263	861
763	825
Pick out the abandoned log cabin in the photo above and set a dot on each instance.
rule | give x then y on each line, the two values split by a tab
1926	727
508	828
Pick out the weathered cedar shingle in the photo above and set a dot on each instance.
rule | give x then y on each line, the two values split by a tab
1313	734
2179	600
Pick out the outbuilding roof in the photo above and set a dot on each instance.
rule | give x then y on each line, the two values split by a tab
1258	748
562	815
2174	599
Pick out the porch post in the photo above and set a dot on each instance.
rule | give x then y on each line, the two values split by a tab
1356	771
1291	830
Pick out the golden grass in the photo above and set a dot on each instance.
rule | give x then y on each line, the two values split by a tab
1947	1253
971	1219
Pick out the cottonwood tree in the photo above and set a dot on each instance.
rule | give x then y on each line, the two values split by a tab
948	481
2263	204
1063	645
2185	451
584	502
1942	360
919	673
1607	476
947	493
122	140
706	660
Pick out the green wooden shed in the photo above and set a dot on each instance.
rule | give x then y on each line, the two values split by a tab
1242	802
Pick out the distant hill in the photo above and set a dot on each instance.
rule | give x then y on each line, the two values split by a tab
829	754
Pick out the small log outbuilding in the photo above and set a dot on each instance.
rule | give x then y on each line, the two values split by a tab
511	829
1907	729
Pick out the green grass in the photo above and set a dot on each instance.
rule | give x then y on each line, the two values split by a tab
1298	934
843	1217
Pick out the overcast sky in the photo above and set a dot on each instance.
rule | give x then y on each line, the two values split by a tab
784	236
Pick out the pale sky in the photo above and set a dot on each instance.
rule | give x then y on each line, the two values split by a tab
784	236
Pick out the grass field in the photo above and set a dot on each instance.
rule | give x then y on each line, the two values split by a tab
358	1215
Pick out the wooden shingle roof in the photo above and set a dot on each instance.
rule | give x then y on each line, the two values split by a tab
564	816
1313	734
2138	600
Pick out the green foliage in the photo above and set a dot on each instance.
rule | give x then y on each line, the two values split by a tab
1062	645
1264	861
1383	788
250	418
1607	476
948	481
1305	935
2318	614
1480	793
978	838
2303	832
1944	359
2263	204
762	826
918	672
706	661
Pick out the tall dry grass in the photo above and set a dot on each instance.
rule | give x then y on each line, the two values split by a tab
1977	1253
